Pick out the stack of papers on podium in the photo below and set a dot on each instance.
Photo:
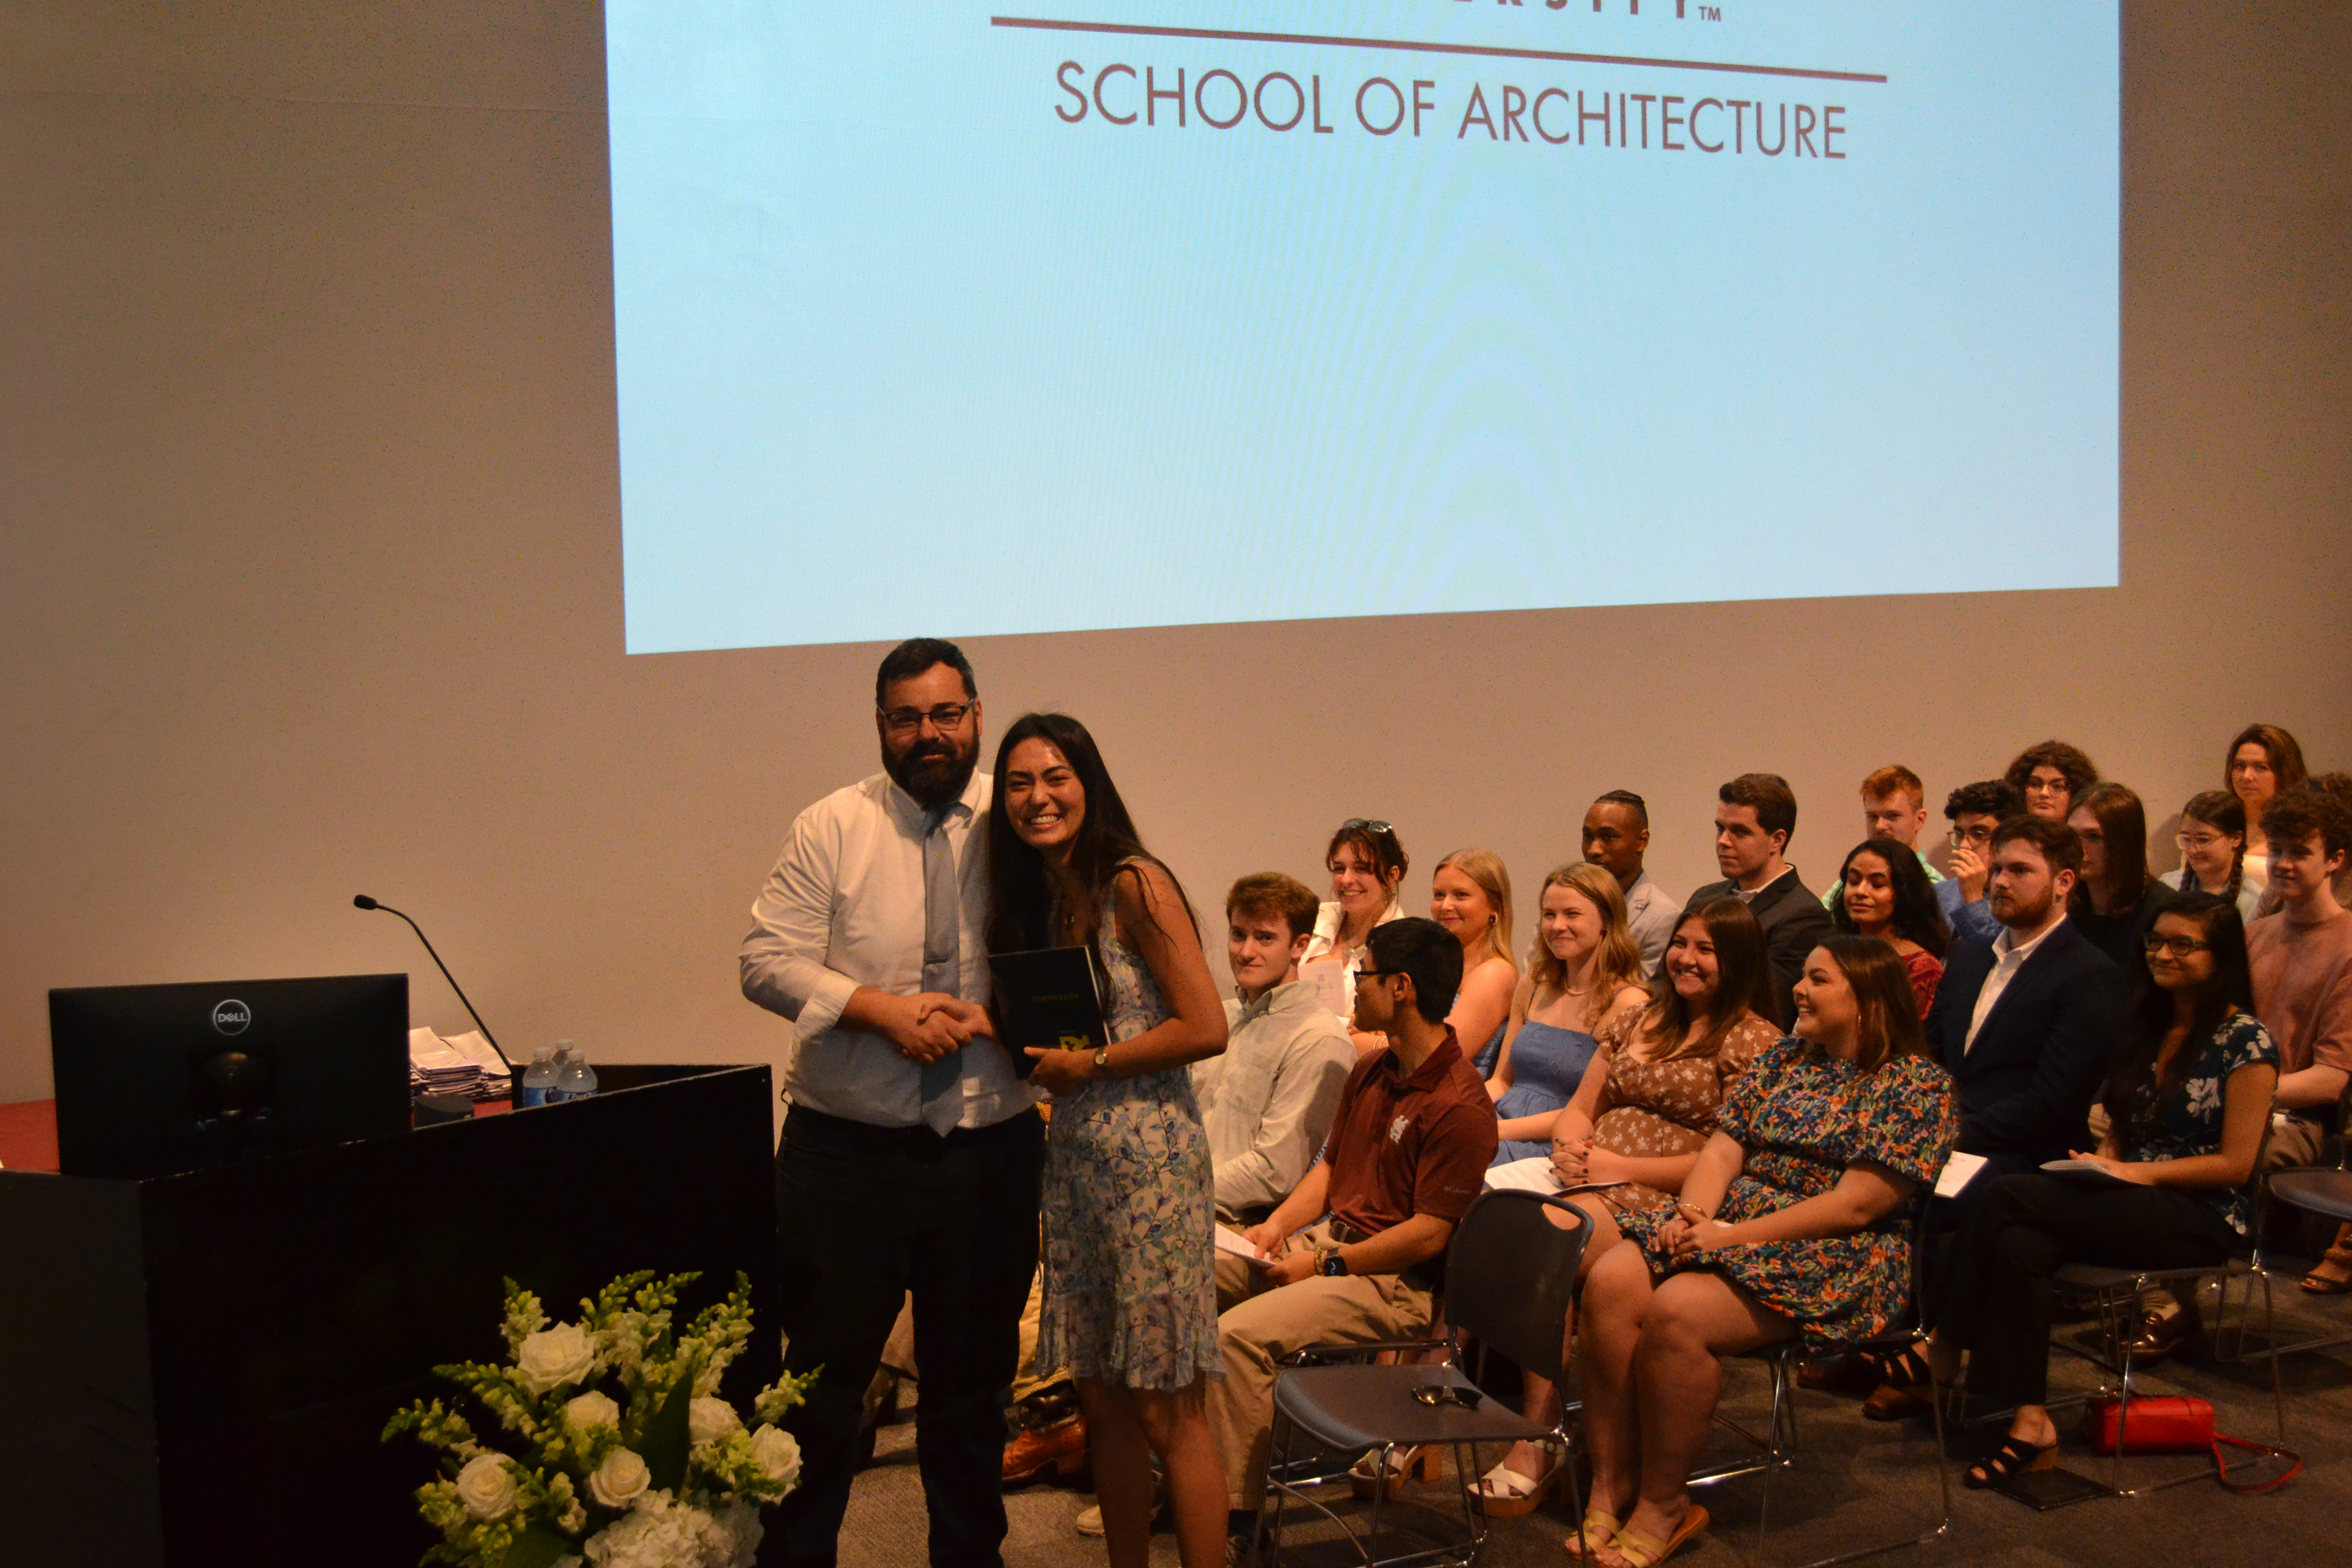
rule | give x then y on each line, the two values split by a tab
465	1063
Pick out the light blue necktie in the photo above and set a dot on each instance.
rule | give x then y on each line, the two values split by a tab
942	1081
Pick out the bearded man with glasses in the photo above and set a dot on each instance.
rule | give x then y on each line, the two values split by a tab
911	1153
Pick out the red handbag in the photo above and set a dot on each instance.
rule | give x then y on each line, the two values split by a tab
2172	1424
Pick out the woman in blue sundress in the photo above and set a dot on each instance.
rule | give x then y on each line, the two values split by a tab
1129	1298
1585	972
1793	1222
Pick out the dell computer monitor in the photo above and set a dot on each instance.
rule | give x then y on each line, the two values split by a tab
155	1079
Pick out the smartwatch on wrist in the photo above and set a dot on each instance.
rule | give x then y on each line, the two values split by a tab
1332	1263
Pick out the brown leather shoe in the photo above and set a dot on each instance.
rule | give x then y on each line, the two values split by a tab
1849	1373
1061	1448
2161	1333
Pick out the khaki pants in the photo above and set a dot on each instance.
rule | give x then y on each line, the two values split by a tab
1261	1323
2294	1142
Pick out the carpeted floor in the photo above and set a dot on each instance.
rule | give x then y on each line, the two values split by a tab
1852	1482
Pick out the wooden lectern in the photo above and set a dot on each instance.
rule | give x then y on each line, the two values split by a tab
194	1369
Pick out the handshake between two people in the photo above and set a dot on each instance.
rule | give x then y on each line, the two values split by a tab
930	1024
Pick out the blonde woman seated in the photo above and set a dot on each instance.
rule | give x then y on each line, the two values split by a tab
1470	895
1584	972
1791	1223
1644	1109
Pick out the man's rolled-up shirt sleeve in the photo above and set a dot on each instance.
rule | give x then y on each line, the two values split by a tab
783	958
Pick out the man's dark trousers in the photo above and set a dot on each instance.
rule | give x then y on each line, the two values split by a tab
865	1214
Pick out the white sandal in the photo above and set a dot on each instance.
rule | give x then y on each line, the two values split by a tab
1505	1493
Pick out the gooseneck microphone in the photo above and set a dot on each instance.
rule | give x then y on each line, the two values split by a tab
361	901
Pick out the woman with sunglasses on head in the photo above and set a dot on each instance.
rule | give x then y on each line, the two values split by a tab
1470	895
1129	1295
1367	863
2212	840
2186	1099
1882	892
1645	1109
2264	760
1793	1221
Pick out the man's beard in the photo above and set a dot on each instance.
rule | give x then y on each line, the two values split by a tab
933	773
2014	912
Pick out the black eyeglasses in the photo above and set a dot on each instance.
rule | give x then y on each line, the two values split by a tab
2173	946
1435	1393
906	720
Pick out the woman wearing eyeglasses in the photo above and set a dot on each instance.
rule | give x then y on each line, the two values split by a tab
2186	1102
1367	862
2212	840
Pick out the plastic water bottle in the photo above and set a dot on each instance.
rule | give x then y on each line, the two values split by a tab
540	1077
574	1078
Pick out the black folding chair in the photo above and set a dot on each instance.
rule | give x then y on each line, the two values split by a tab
1510	1276
2324	1191
1776	1449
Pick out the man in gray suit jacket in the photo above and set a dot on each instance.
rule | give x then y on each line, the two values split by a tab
1754	820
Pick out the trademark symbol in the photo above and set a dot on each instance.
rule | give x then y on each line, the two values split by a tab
1710	13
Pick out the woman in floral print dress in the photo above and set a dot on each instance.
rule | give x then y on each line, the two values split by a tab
1791	1223
1129	1298
2187	1102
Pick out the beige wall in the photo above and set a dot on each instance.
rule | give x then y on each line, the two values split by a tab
306	491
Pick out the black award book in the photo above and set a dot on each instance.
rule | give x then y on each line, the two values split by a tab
1049	997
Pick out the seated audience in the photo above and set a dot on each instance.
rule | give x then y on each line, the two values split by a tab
2048	778
2263	761
2212	840
1884	894
1645	1108
2025	1025
1974	811
1894	806
2115	897
1268	1102
2301	960
1754	820
1470	895
1367	863
1584	972
2186	1099
1351	1255
1793	1221
1616	837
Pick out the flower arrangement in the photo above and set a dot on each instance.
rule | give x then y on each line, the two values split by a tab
666	1475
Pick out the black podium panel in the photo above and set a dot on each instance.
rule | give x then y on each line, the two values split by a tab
196	1367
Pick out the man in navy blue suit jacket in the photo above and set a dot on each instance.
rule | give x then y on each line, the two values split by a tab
2027	1022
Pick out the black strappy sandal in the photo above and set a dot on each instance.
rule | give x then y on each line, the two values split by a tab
2016	1457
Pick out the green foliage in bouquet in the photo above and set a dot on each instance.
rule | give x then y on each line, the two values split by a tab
666	1473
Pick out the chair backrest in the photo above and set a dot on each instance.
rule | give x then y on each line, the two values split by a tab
1510	1274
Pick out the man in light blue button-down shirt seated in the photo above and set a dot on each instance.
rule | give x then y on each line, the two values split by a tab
912	1152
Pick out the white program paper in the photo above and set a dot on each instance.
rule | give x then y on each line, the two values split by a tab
1958	1173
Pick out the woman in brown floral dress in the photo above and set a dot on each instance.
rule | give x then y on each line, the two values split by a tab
1645	1108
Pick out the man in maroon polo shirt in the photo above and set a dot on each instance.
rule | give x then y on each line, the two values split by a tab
1351	1255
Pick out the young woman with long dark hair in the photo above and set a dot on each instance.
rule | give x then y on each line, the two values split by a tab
2212	843
1884	892
2115	898
1131	1304
2263	761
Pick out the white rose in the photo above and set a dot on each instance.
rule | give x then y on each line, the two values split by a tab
708	1420
620	1479
592	1409
777	1454
563	1353
486	1487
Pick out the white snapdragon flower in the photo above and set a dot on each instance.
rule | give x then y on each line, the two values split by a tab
555	1356
486	1487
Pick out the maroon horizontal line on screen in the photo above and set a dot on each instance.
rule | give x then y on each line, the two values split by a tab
1233	35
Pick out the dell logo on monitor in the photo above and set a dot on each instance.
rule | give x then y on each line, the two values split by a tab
231	1016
